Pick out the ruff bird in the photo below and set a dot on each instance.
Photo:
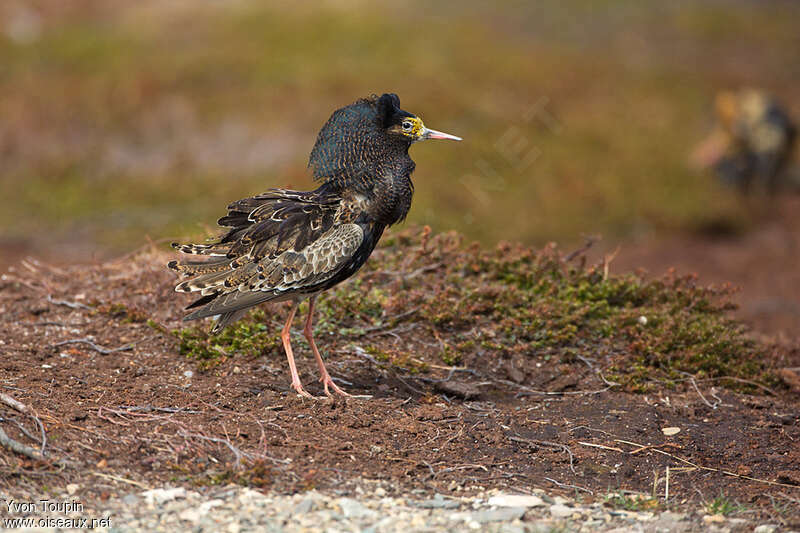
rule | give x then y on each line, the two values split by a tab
286	245
752	142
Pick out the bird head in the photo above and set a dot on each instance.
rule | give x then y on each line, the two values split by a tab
726	105
360	136
405	125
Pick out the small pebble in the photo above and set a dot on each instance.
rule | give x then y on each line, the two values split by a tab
189	515
498	515
515	500
561	511
438	502
713	518
353	509
161	496
304	506
766	528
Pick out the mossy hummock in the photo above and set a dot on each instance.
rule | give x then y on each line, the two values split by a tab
517	314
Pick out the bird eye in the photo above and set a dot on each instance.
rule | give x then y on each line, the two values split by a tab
407	125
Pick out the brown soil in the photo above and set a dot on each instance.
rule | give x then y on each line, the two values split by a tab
148	415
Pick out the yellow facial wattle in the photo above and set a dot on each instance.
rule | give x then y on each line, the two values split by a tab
412	127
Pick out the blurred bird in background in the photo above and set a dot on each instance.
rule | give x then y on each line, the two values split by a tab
290	245
752	142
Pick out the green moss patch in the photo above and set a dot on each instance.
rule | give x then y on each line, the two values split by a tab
249	337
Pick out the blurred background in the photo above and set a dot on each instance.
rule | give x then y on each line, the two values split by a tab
126	121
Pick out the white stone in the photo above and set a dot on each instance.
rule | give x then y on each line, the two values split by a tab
670	515
159	496
190	515
765	528
515	500
72	488
205	507
353	509
561	511
249	495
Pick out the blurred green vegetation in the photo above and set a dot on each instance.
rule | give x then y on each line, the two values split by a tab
125	120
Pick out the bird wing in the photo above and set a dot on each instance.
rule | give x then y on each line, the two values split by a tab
279	243
271	223
254	282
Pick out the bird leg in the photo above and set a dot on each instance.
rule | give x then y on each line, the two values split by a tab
308	331
287	346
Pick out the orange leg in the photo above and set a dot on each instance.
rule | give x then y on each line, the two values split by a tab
308	331
287	346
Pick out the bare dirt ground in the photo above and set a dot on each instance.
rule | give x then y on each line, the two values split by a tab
89	349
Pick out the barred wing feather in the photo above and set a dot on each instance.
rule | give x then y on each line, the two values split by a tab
252	281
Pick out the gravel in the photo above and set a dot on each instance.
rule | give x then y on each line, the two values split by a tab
235	509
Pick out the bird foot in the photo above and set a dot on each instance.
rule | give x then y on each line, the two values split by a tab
328	382
301	391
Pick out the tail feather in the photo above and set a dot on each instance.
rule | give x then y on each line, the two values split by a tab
227	318
216	249
201	301
205	283
219	280
198	267
232	302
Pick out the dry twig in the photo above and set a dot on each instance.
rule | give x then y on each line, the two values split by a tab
95	347
18	447
151	409
589	242
601	446
567	485
22	408
66	303
607	259
122	480
696	388
16	404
